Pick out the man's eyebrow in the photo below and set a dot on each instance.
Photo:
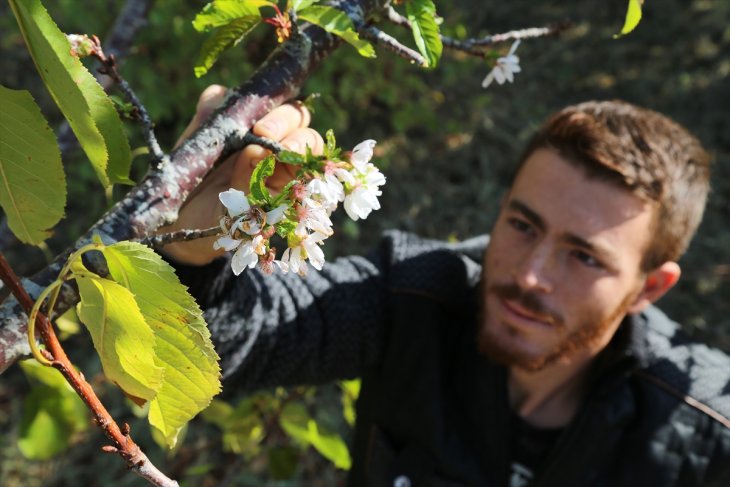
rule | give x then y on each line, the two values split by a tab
598	250
528	213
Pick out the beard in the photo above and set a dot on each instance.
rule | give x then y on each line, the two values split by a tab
493	344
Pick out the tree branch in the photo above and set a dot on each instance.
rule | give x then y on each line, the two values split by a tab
123	444
478	46
389	42
109	68
155	201
161	240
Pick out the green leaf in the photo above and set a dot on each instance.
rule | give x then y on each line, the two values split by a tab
223	38
331	145
297	423
350	393
279	198
257	185
338	23
330	445
290	157
298	5
633	17
121	336
285	227
222	12
181	338
82	100
52	413
426	33
32	183
294	420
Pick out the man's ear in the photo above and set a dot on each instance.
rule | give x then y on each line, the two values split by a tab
656	284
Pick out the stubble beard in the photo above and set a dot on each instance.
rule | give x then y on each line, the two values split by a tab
495	347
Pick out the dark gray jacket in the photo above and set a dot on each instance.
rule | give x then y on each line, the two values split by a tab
432	411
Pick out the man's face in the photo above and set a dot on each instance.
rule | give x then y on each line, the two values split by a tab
563	265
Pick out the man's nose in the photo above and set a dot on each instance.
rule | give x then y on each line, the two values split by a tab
533	272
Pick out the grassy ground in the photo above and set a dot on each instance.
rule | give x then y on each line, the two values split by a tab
446	145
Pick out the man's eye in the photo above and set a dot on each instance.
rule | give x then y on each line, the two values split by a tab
586	259
520	225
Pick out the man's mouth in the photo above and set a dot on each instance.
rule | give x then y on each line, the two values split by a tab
514	309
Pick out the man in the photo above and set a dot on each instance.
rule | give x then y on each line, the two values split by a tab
539	361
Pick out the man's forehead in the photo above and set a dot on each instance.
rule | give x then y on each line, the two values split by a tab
567	200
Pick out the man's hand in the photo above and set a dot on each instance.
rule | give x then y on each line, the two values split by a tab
287	124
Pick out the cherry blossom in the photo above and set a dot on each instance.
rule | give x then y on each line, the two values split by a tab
505	68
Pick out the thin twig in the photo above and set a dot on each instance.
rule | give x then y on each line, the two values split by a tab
117	41
272	145
157	241
123	444
389	42
477	47
109	68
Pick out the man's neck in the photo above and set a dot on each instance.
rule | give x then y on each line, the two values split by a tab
549	398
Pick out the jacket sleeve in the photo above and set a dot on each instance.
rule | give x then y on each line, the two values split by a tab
283	329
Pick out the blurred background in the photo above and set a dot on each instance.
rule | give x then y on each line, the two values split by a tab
446	145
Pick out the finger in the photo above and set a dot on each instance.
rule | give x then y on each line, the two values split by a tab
209	100
281	121
297	141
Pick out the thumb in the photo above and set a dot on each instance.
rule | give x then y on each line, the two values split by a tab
209	100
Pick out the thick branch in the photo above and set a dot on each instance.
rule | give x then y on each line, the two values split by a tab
123	444
156	200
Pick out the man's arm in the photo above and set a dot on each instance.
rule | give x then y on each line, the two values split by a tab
284	329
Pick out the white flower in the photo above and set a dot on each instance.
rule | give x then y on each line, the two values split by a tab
364	187
362	153
294	260
328	191
247	254
235	202
361	201
307	248
505	68
314	216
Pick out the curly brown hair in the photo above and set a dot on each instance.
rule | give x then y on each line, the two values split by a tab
642	151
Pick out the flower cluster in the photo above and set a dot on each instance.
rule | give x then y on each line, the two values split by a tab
301	214
505	67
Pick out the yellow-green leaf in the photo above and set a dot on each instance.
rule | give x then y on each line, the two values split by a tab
82	100
297	423
338	23
426	32
633	17
182	340
222	39
221	12
121	336
32	183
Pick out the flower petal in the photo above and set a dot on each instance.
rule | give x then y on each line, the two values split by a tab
226	243
274	216
362	153
235	201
